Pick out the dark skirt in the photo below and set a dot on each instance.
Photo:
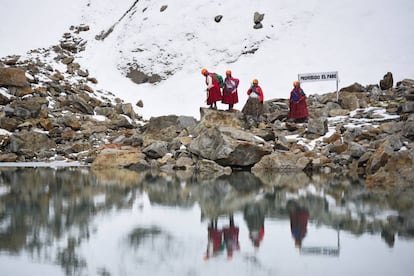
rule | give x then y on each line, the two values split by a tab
253	107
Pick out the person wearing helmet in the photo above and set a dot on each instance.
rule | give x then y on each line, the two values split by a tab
254	104
298	109
230	95
213	88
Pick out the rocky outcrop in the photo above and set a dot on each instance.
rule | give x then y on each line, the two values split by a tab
387	81
13	77
59	108
47	113
229	146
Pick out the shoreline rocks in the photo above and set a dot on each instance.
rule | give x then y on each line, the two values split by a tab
367	133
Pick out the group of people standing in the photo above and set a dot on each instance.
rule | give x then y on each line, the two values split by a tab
226	91
214	89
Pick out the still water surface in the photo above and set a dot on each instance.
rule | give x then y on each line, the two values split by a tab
73	221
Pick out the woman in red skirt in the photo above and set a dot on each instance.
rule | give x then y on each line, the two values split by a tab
298	109
213	88
230	95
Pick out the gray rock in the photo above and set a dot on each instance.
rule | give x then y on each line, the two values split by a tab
156	149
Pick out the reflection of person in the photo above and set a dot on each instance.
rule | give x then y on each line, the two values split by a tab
230	95
298	224
298	109
231	238
213	88
255	218
215	240
254	104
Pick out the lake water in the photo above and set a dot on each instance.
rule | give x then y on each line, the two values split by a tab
76	221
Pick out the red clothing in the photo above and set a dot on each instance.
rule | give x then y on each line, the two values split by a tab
299	223
230	95
298	108
256	236
216	237
213	87
231	239
257	92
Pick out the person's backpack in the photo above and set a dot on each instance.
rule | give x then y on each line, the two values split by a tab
218	78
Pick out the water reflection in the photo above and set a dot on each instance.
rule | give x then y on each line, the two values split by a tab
299	216
222	238
231	237
214	240
254	215
54	215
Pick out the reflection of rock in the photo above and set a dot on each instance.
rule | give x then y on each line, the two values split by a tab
283	180
115	176
219	197
68	257
168	191
208	169
56	202
244	181
138	235
53	202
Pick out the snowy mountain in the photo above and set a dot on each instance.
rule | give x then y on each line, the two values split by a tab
171	41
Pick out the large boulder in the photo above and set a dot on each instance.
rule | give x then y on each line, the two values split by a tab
229	146
211	117
282	162
166	128
387	82
30	144
397	171
13	77
118	156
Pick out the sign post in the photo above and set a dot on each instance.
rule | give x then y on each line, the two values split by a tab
324	76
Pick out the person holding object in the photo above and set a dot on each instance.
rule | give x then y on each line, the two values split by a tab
230	95
298	109
254	104
213	88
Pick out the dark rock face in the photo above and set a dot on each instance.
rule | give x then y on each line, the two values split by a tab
387	82
139	77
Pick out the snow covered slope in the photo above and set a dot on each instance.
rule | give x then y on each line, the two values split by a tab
362	40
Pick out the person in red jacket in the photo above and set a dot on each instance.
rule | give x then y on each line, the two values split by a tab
254	104
213	88
230	95
298	109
